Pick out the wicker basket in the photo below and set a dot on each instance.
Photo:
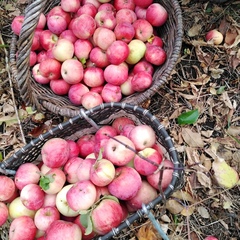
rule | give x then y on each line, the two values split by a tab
87	122
41	97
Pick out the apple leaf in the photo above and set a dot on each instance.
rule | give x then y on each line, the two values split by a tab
45	181
189	117
86	221
110	197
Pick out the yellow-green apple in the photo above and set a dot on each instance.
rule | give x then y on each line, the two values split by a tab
47	39
143	29
117	52
32	196
61	230
140	12
68	34
143	4
137	50
71	6
155	55
103	37
120	4
83	171
87	8
27	173
125	177
155	40
82	49
146	194
120	122
126	15
93	76
74	149
82	195
141	81
124	31
84	26
70	169
63	50
86	144
50	68
45	216
56	24
142	136
72	71
105	19
49	200
154	179
144	167
59	86
156	14
22	228
111	93
7	188
41	22
116	74
102	172
58	11
62	204
17	23
143	65
17	209
99	57
91	100
3	213
76	91
126	87
214	36
55	152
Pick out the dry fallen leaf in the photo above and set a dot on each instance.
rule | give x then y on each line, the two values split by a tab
203	212
193	139
147	232
194	30
204	179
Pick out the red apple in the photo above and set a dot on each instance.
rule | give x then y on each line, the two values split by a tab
126	15
124	31
47	39
140	12
88	9
68	34
42	55
141	81
71	6
111	93
38	77
107	6
105	19
120	4
93	76
83	171
56	24
143	4
155	40
50	68
91	99
143	29
17	23
120	122
104	132
155	55
98	57
82	49
103	37
75	93
41	22
127	129
58	11
49	200
86	145
70	169
3	213
143	65
74	149
156	14
59	86
96	3
214	36
7	188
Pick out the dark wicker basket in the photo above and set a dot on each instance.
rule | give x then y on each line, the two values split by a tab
86	122
41	97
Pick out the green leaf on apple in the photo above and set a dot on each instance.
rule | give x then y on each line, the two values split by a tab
86	221
189	117
110	197
45	181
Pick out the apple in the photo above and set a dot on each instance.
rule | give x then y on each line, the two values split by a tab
14	195
41	22
93	76
120	122
86	145
35	43
107	6
120	4
17	23
45	216
72	71
47	39
142	136
88	9
82	195
3	213
58	11
56	24
124	31
126	15
17	209
71	6
63	50
143	65
74	149
42	55
156	14
82	49
143	29
32	58
155	55
146	194
62	230
91	99
59	86
141	81
102	172
105	19
44	169
140	12
105	132
117	52
38	77
26	173
75	93
125	177
49	200
126	87
96	3
32	196
96	89
70	169
103	37
127	129
53	181
214	36
101	191
62	204
111	93
116	74
137	50
50	68
84	26
99	57
210	238
7	188
155	40
68	34
143	4
83	171
22	228
55	152
154	179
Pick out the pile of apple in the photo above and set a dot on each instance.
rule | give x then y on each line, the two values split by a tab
96	51
84	188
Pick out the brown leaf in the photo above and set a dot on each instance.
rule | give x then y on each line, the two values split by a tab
203	212
174	206
204	179
183	195
194	30
193	139
147	232
188	211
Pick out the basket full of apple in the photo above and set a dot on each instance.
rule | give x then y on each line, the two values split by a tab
80	53
88	177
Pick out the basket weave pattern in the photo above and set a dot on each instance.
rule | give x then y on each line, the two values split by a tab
43	98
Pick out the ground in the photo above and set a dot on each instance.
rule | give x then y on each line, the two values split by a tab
206	78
